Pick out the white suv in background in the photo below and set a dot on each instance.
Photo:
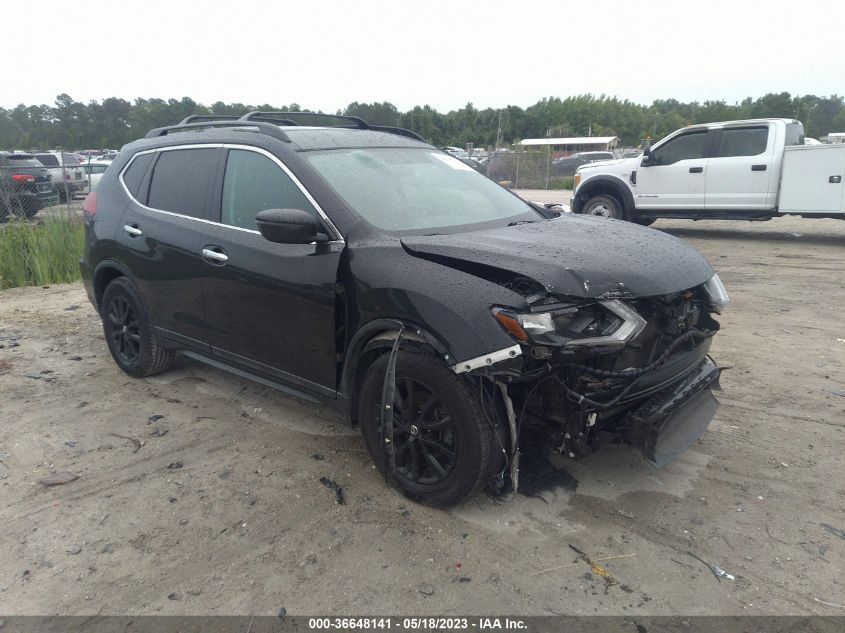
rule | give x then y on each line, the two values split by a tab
68	175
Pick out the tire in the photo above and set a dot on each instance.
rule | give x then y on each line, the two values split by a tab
455	422
645	221
604	206
130	338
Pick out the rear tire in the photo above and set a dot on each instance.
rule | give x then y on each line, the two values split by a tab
444	445
604	206
130	338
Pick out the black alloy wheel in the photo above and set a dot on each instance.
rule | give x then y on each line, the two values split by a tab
132	341
424	434
445	448
124	335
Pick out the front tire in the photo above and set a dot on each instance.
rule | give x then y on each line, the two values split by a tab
443	443
131	340
604	206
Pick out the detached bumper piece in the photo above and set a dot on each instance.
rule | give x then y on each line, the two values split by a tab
669	422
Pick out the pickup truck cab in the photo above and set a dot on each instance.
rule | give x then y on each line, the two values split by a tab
739	170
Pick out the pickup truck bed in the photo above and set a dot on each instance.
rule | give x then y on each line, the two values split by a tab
812	180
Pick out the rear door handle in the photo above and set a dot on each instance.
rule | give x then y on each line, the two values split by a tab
133	230
758	168
216	256
696	170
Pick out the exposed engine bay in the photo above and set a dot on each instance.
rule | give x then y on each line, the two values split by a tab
634	369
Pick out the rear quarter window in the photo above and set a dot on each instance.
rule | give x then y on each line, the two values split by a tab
133	176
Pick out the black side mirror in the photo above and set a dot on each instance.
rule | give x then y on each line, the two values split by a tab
289	226
646	161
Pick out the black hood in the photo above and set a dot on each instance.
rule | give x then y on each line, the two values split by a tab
572	255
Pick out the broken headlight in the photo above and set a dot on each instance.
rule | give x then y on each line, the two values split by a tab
602	323
716	294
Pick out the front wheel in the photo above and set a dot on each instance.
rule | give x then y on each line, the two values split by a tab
443	443
604	206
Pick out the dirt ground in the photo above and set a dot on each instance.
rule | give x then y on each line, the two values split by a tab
221	509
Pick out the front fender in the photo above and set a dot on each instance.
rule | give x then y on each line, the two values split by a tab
592	186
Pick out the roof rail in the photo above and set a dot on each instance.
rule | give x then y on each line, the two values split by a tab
208	117
261	127
401	131
291	116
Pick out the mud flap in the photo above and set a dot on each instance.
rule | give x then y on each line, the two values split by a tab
672	420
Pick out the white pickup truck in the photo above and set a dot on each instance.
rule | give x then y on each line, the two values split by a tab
736	170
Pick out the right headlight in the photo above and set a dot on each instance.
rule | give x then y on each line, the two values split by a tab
598	324
716	293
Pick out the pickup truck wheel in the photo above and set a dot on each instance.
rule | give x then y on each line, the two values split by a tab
443	444
605	207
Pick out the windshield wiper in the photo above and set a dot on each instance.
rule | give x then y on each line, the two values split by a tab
522	222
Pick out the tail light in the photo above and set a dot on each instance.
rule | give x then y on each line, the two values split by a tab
89	207
23	178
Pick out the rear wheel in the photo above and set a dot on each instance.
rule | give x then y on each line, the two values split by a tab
443	444
131	340
604	206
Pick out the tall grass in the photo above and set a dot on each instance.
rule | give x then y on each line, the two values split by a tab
45	253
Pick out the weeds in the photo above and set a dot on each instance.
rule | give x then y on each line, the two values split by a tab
40	254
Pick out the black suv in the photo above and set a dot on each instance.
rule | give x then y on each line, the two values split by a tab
25	186
358	266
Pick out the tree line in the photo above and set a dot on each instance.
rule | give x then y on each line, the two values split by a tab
70	124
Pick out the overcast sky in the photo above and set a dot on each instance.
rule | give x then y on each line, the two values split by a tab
324	54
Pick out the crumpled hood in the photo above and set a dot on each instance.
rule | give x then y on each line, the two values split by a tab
573	255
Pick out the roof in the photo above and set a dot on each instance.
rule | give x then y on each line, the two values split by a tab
314	138
574	140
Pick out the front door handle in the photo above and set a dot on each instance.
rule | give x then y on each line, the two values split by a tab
217	256
696	170
133	230
758	168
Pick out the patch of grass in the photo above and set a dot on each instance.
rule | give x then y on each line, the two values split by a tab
567	182
40	254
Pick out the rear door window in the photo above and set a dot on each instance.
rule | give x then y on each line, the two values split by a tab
747	141
70	160
684	147
254	183
180	181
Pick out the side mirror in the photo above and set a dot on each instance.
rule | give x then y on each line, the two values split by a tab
646	160
289	226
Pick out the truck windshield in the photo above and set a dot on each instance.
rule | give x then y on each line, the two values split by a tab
403	189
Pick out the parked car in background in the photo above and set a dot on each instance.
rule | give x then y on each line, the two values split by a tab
567	165
94	171
68	176
108	156
362	268
25	186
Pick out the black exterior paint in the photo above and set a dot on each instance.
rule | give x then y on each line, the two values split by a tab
292	314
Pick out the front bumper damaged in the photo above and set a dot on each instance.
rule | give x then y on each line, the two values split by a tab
669	422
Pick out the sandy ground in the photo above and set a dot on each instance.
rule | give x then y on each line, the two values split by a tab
221	509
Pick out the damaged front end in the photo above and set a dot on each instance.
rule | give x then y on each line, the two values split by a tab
584	370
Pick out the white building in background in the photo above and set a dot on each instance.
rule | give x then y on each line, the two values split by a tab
567	146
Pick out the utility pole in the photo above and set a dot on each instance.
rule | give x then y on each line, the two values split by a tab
499	132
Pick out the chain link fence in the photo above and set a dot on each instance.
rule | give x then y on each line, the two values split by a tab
528	170
31	182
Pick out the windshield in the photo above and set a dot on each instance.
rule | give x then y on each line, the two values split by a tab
403	189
